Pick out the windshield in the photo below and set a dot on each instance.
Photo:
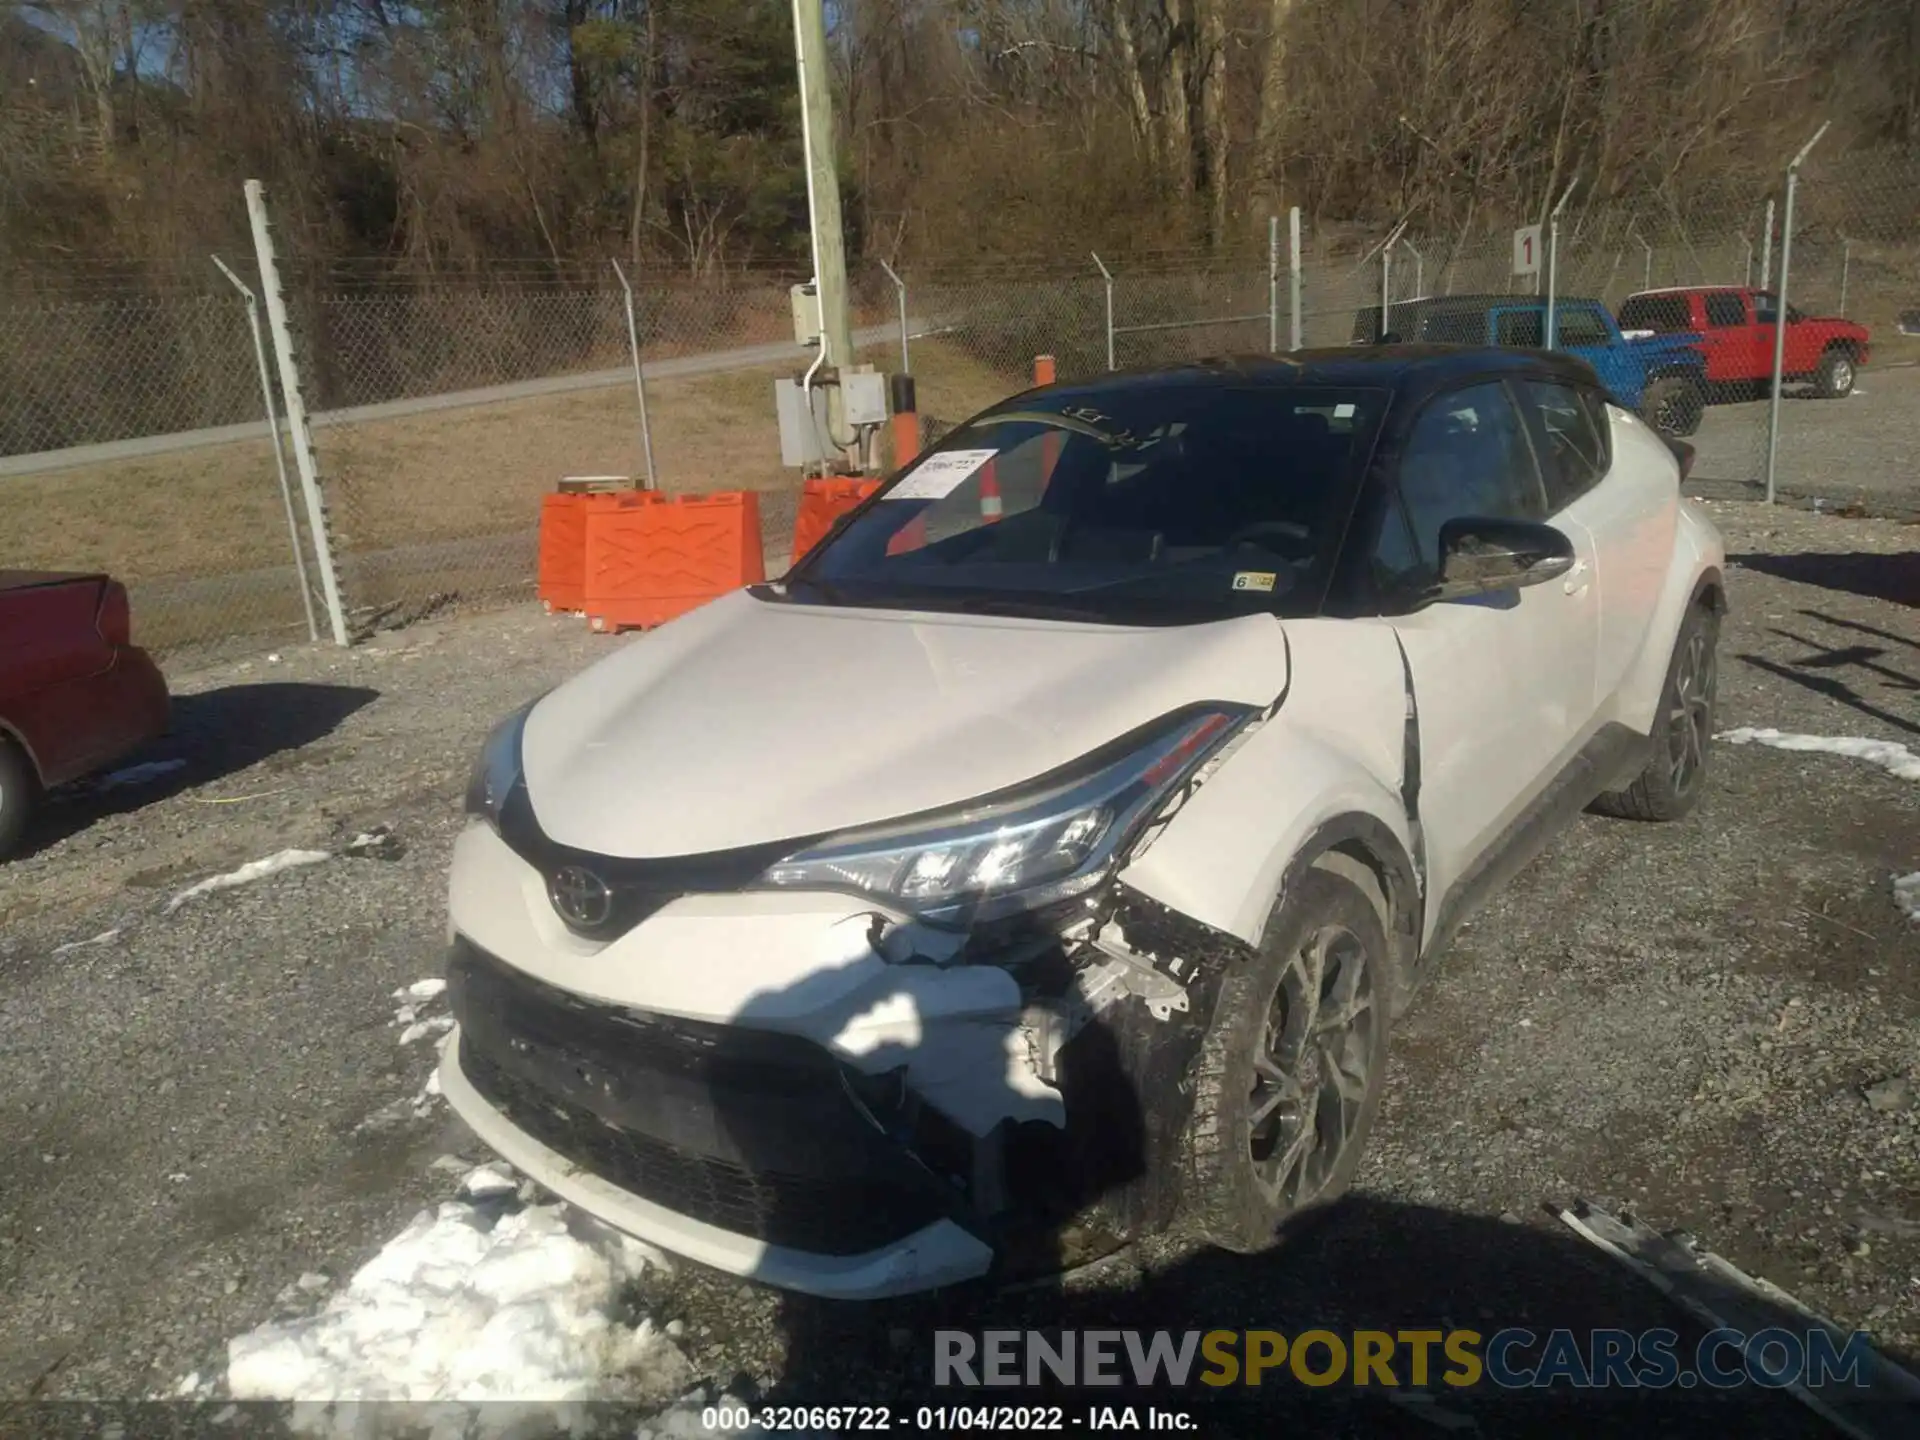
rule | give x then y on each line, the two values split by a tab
1173	505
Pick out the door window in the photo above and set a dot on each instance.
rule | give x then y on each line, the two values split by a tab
1580	325
1725	311
1766	309
1520	330
1573	446
1467	454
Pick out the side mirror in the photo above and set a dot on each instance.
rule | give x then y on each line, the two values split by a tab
1482	556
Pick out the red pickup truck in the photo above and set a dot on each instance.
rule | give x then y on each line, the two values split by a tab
75	692
1736	326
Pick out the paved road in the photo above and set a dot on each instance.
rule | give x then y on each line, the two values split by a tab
1864	450
748	357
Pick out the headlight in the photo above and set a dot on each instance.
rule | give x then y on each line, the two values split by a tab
497	770
1030	849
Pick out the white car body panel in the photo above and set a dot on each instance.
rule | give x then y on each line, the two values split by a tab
732	727
1334	747
1505	694
1633	515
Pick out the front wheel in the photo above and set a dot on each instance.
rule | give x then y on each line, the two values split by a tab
1292	1069
1674	405
19	790
1683	729
1834	379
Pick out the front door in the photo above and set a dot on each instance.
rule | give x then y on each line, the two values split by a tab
1504	684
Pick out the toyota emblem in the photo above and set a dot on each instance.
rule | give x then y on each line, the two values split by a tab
581	897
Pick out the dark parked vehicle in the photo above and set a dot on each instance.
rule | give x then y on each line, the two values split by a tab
1660	377
76	693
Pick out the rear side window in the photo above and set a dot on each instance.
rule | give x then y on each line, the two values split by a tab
1724	310
1520	330
1580	325
1568	428
1456	327
1663	314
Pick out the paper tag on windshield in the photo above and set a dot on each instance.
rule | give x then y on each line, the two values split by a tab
938	476
1254	579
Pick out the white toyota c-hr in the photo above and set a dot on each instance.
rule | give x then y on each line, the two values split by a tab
1044	859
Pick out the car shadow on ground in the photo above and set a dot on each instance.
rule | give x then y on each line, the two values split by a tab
1366	1264
1892	578
1853	670
211	734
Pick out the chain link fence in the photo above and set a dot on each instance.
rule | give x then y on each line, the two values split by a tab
443	406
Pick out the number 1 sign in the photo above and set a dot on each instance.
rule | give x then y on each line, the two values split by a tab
1526	250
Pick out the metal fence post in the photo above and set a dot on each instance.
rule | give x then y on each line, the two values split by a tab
1273	284
1846	264
1766	249
1552	335
1293	275
296	409
639	378
1419	268
900	291
1107	276
1780	303
279	451
1748	281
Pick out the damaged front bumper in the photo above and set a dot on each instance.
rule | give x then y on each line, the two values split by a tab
897	1121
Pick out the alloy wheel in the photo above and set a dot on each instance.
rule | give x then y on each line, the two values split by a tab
1311	1066
1690	712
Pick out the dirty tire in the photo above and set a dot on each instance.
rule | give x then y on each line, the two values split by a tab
1834	379
1671	784
1674	405
19	791
1314	1007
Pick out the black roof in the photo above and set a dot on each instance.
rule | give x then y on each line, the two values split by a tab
1401	368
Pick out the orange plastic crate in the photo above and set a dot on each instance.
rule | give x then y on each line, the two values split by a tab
647	563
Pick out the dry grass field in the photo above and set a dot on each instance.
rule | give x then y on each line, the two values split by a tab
440	476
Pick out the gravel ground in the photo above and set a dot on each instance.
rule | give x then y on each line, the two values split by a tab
1678	1021
1861	451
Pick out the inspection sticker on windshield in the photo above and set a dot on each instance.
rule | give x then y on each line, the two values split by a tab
940	475
1254	579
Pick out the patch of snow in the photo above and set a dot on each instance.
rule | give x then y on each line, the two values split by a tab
1906	894
462	1309
1894	758
420	1029
138	774
253	870
105	937
495	1178
421	990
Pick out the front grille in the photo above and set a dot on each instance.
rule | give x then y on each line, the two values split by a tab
746	1130
823	1216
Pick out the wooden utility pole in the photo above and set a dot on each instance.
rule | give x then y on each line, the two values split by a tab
823	204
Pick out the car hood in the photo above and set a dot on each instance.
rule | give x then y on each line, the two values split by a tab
750	721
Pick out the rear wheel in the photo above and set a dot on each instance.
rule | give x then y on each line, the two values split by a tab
19	793
1292	1070
1674	405
1834	379
1683	730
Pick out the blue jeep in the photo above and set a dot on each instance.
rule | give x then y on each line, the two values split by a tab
1661	377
